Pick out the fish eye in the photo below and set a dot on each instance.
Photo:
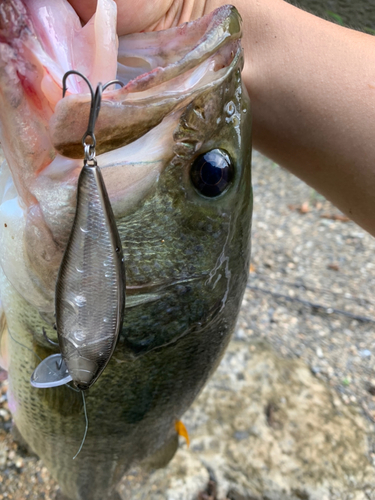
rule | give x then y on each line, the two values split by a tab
212	172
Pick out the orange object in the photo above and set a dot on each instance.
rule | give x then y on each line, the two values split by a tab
182	431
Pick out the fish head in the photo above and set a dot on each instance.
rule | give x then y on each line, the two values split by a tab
173	145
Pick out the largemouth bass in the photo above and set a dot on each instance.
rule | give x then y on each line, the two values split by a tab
174	150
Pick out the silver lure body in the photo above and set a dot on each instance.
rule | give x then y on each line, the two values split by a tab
90	287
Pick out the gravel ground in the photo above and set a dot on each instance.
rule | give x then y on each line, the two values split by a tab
312	284
310	294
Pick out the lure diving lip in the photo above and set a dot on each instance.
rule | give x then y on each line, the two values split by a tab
51	372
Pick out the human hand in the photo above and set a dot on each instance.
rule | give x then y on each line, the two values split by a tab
134	16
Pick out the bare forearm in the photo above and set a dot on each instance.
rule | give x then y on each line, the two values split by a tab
312	86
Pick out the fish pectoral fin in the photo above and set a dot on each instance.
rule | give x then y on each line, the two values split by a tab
182	431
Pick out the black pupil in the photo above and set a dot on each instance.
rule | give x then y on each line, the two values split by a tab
212	172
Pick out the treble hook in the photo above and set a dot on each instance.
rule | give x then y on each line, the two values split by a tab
113	82
94	110
74	72
94	113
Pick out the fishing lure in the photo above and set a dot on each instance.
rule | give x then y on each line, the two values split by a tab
90	287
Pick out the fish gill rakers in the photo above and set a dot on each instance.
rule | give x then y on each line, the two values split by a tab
90	287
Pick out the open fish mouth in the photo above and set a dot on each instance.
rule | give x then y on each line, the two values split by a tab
157	69
41	132
159	74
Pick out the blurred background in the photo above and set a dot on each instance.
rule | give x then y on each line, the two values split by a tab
356	14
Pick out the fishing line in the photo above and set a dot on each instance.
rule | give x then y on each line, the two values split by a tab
86	426
23	345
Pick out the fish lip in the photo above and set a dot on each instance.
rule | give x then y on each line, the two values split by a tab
226	17
212	39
